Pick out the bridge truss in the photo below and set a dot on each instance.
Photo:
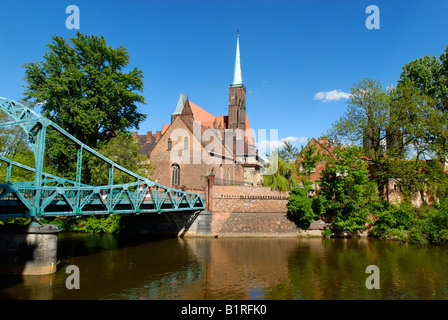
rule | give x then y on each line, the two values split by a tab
50	195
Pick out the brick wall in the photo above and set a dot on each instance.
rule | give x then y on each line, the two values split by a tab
237	224
248	199
250	211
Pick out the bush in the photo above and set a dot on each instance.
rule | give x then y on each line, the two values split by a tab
433	223
326	232
422	225
393	222
90	224
300	205
350	196
102	224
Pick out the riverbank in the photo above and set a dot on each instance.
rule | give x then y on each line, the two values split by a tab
423	225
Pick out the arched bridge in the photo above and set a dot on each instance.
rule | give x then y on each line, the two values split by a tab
50	195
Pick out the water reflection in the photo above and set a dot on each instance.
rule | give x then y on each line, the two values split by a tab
244	268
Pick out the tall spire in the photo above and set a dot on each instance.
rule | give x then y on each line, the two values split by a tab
237	95
237	77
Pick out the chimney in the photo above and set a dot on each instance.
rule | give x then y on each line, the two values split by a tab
135	135
158	135
148	136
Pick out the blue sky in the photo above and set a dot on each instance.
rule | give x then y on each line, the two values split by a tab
292	52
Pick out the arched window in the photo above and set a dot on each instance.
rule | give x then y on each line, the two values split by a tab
169	145
220	172
175	175
185	143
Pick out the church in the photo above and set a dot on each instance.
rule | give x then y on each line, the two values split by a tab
196	143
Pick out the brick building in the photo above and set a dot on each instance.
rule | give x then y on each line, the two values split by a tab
197	143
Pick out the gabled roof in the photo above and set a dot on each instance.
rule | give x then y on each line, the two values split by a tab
322	145
206	118
165	127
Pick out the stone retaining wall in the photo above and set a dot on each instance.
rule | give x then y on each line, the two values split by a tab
250	224
244	211
238	211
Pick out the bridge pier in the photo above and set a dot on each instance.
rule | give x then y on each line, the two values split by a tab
28	250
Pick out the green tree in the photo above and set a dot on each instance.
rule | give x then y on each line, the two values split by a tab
365	121
124	151
307	159
288	152
420	121
83	87
401	122
282	168
14	146
428	75
283	178
426	83
349	194
13	140
302	206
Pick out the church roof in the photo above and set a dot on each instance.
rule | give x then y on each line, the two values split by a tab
206	118
165	127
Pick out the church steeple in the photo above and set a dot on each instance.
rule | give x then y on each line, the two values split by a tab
237	94
237	76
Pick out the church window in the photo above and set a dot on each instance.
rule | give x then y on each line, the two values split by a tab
175	175
185	143
169	145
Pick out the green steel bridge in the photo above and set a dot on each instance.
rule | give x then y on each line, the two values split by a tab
50	195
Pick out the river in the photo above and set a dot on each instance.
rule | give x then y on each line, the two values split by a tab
112	267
